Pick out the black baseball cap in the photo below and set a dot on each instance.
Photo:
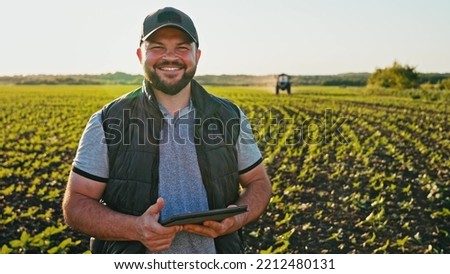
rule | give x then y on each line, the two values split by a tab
168	17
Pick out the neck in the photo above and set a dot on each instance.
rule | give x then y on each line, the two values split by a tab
174	103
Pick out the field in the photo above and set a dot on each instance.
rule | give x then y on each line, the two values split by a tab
353	170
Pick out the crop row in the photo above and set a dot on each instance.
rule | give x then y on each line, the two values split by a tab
351	172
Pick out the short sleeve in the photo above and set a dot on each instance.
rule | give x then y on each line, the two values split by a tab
249	155
91	160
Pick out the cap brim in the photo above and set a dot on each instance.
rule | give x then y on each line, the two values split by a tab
169	25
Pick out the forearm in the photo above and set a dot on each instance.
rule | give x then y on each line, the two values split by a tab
89	216
256	197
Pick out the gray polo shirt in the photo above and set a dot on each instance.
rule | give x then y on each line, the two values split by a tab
180	180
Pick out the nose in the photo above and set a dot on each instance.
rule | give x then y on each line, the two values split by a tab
170	55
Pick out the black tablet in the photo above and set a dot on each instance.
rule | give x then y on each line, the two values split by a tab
200	217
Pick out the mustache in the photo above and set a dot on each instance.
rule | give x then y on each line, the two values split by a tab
170	63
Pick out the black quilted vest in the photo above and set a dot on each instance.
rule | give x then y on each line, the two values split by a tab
132	127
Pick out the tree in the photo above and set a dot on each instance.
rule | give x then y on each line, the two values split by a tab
397	76
445	83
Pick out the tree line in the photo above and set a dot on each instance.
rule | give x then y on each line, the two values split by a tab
396	76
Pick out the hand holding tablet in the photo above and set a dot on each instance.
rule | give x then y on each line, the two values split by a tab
200	217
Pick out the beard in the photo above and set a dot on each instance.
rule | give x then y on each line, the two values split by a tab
169	88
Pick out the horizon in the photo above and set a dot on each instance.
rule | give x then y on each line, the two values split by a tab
321	37
197	75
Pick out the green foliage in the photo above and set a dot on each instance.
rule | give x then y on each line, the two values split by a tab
445	83
396	76
353	170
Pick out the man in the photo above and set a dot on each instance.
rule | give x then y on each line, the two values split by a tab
166	148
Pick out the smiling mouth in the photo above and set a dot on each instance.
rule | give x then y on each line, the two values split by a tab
169	68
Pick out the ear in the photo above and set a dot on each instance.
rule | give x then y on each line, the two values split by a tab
199	53
139	54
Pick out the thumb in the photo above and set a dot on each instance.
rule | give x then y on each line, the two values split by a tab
156	208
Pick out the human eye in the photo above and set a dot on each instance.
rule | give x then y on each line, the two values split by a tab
156	47
152	46
183	48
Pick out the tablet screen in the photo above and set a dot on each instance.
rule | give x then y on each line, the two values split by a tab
200	217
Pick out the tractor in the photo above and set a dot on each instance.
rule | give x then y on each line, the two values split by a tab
283	83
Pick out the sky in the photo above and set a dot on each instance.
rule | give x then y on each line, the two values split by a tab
298	37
